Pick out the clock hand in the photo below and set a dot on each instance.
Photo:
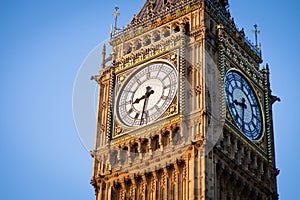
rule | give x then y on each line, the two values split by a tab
243	106
138	99
144	115
146	97
243	118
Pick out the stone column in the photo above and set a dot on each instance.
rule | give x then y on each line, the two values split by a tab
170	137
140	149
129	153
149	146
160	141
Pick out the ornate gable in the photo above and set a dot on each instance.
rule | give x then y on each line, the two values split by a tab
156	6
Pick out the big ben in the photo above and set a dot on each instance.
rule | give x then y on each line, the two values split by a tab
184	109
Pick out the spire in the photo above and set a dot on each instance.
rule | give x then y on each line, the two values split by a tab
267	67
97	78
115	14
256	32
103	56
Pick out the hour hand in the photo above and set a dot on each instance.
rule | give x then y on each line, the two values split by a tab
138	99
242	104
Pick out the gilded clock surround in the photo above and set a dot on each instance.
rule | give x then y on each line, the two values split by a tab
159	160
146	94
170	58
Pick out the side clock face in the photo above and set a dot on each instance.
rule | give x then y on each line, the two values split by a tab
243	105
147	94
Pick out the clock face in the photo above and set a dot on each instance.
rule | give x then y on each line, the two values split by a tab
243	105
147	94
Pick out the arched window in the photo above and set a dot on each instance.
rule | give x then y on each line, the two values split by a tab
155	143
166	138
176	137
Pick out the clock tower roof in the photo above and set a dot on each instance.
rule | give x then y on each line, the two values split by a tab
152	7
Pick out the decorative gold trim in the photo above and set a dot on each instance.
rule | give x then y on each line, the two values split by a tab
167	114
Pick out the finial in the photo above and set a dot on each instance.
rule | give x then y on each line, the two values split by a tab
103	56
256	32
150	7
224	3
168	3
274	99
115	14
111	30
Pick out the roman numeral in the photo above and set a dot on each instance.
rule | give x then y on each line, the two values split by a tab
130	110
136	116
129	91
256	117
138	80
164	97
148	73
165	78
125	103
254	125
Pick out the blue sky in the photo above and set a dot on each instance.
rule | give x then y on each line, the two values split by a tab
44	43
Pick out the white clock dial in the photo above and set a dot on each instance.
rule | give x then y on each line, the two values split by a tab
147	94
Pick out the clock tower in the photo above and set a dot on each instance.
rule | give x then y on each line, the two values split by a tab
184	109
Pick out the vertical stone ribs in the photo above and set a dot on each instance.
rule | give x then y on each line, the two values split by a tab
238	165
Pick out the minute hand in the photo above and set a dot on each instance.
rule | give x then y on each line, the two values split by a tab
146	97
243	106
144	115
